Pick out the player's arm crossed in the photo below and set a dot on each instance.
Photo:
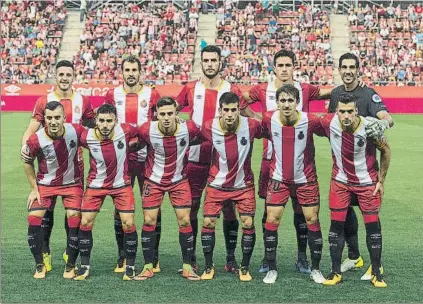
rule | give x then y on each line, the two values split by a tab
247	111
385	159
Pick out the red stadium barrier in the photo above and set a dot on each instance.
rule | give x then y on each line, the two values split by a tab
18	97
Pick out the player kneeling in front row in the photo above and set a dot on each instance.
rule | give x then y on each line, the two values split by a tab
230	178
167	144
108	144
292	174
355	171
56	148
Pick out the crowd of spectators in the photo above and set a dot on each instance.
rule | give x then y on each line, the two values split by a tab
390	39
250	37
163	37
31	34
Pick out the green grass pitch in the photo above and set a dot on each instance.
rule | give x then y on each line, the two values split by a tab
401	219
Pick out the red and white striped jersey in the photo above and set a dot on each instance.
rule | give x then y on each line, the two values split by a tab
109	158
354	155
265	93
134	109
167	156
203	105
57	158
77	108
231	156
293	153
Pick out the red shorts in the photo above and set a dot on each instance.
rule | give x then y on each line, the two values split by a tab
72	197
123	199
179	194
340	197
278	194
244	199
197	175
264	178
136	171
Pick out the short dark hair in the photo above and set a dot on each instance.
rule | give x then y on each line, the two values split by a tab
65	63
166	101
53	105
132	59
227	98
211	49
284	53
290	90
346	98
349	56
106	108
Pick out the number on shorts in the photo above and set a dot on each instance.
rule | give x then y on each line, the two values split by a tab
276	186
146	190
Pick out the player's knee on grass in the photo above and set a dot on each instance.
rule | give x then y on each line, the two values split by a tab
150	217
127	220
274	215
87	220
209	222
37	213
183	217
73	213
247	222
311	215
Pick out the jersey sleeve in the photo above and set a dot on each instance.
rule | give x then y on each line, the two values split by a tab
258	129
205	134
130	131
375	104
83	139
182	98
193	130
110	99
313	92
33	146
79	130
254	93
242	102
39	109
265	124
143	133
155	97
316	126
332	102
88	112
325	124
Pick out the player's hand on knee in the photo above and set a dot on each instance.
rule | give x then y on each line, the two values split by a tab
379	188
25	157
33	195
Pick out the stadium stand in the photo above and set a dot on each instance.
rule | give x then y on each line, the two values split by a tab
391	40
31	36
162	36
251	35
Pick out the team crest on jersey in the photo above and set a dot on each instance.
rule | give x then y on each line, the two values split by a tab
143	103
72	144
120	145
77	110
183	142
301	135
243	141
360	142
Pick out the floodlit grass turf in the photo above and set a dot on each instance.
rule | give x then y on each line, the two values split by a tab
401	220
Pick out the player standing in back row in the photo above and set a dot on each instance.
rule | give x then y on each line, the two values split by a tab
369	105
202	98
135	105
